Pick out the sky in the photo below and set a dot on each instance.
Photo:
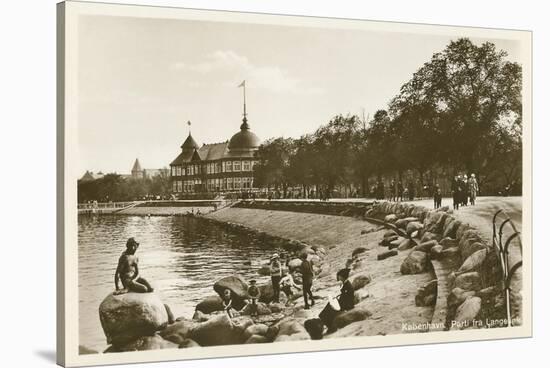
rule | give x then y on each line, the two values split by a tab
141	80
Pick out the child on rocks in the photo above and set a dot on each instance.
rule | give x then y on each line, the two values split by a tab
287	283
254	295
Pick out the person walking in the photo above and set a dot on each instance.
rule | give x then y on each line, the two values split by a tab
473	188
307	280
276	274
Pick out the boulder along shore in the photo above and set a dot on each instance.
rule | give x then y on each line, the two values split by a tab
395	281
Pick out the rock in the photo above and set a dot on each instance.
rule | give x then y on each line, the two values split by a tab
360	295
390	218
256	339
424	293
435	252
449	231
200	316
83	350
314	328
470	248
468	281
448	243
427	236
238	287
358	251
468	311
384	255
488	292
212	303
127	317
401	224
294	264
345	318
255	329
188	343
276	307
396	243
432	222
262	309
414	227
264	270
360	281
294	337
143	343
460	230
457	296
266	291
220	330
178	332
389	234
450	253
425	247
406	244
386	241
289	326
416	262
473	262
429	300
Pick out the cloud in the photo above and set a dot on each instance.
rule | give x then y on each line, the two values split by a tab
237	67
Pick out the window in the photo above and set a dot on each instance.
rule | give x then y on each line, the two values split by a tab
229	183
218	167
174	186
228	166
236	165
180	186
178	170
246	165
173	171
237	183
188	170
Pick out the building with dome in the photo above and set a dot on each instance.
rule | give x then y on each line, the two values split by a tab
216	167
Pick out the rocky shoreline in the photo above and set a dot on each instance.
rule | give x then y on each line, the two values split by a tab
408	268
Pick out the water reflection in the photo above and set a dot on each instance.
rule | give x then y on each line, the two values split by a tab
180	256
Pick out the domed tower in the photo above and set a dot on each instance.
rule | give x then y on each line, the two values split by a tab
244	141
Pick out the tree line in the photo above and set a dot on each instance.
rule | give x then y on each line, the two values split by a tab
461	112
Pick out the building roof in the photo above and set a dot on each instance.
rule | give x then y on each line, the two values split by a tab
137	166
89	176
245	139
189	144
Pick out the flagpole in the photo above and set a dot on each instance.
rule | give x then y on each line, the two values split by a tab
244	97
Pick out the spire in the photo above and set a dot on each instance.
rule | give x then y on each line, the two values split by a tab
137	166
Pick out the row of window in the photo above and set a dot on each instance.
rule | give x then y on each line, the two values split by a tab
213	168
213	185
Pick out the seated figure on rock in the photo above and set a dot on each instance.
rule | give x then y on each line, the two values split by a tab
128	272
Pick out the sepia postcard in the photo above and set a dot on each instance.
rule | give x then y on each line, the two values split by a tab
287	184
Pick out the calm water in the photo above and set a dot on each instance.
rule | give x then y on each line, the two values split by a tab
182	257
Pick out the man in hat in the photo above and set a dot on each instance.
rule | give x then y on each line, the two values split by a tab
276	274
128	272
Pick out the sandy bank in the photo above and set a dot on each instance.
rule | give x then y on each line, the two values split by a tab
391	294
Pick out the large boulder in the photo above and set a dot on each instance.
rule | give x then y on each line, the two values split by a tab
188	343
261	308
257	339
416	262
255	329
474	262
413	227
425	247
220	330
154	342
178	331
289	326
314	327
449	231
406	244
238	287
469	281
359	281
358	251
448	243
126	317
212	303
345	318
294	264
266	292
467	312
457	296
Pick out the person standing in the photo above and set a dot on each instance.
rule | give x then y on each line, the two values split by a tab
392	190
473	188
455	190
400	191
307	280
437	196
464	189
276	274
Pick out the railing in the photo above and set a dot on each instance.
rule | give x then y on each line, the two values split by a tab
106	205
501	243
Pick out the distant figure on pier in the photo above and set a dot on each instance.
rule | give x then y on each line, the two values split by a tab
128	272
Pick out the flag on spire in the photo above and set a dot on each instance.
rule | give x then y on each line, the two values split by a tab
243	84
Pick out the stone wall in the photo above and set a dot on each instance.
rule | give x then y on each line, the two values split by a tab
469	268
353	209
